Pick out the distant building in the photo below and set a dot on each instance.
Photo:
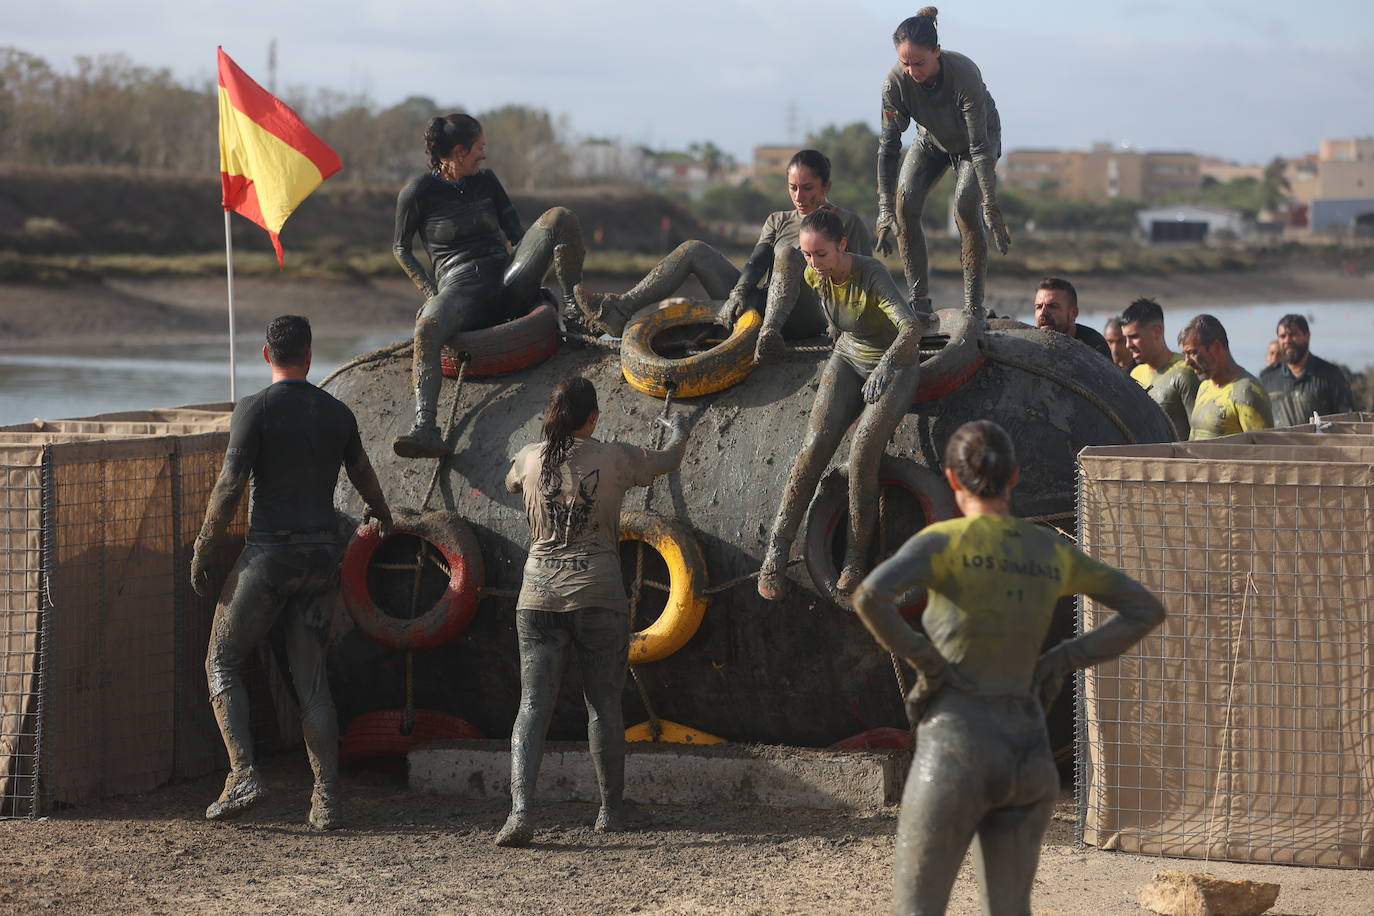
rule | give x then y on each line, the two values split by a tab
1222	170
1333	189
772	160
610	162
1187	223
1103	173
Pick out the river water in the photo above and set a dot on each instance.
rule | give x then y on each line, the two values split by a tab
55	383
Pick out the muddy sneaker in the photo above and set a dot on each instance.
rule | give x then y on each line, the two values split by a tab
421	442
517	831
601	310
326	811
853	573
773	575
242	790
769	347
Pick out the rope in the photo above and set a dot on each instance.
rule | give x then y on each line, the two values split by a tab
655	727
452	418
371	356
1071	385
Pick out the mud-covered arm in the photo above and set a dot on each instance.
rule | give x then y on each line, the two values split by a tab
244	439
1138	611
654	462
895	121
407	224
905	347
506	213
876	602
364	480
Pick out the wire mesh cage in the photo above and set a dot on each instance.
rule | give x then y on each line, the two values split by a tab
1242	729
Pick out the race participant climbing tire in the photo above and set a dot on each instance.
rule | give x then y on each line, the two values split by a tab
444	603
717	368
828	514
958	358
686	604
517	344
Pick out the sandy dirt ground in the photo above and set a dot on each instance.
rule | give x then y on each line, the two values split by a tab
404	852
101	314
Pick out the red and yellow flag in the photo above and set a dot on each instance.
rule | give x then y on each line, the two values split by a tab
269	161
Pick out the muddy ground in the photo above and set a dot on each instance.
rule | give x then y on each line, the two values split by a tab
99	314
403	852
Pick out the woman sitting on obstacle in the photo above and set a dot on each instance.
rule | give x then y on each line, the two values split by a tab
464	220
791	310
871	375
572	594
983	754
957	122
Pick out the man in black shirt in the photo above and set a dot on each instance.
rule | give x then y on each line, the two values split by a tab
1300	384
1056	309
290	439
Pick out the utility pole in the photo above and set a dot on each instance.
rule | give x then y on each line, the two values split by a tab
272	66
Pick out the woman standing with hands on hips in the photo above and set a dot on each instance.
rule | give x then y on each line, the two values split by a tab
572	595
957	124
465	220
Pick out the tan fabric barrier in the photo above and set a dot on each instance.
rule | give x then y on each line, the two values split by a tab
118	511
1244	728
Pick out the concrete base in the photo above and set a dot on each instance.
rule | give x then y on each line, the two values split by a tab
675	774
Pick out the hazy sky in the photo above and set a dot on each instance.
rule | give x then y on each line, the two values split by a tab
1246	80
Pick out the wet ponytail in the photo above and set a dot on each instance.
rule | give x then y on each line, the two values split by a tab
443	134
982	457
919	30
573	401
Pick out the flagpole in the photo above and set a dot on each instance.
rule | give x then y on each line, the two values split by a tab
229	273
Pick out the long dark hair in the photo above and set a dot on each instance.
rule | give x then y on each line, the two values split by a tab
919	30
443	134
982	457
572	402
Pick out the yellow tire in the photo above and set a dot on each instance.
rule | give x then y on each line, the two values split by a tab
670	733
724	365
686	603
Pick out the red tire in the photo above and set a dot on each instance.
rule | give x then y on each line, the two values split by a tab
877	739
454	609
830	509
509	347
958	359
378	733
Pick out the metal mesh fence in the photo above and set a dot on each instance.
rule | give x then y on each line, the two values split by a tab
21	600
1243	729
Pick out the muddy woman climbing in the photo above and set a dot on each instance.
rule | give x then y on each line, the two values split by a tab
572	595
983	767
871	376
465	220
957	124
790	310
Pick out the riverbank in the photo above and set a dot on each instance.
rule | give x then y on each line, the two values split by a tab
124	311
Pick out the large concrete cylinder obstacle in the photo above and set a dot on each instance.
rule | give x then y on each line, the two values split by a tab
802	671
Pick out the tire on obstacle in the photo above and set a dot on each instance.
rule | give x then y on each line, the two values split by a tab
510	347
724	365
686	605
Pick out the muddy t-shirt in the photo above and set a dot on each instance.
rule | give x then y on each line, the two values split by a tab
1322	388
292	438
993	582
867	308
784	228
1174	389
957	114
1221	410
574	556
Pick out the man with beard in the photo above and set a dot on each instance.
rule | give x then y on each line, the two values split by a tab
1300	384
1056	309
1161	372
1229	400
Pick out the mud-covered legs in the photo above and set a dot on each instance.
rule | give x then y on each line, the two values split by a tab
838	401
554	239
973	241
601	637
921	168
713	270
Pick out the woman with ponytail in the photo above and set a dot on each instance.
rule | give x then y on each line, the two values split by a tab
983	753
486	268
572	594
957	123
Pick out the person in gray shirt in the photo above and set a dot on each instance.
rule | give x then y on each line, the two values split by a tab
943	92
1301	384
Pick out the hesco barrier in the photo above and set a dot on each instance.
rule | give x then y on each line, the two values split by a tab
1242	729
102	641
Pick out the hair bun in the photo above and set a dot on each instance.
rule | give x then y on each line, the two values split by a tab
927	12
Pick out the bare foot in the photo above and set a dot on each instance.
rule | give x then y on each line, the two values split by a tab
853	573
772	575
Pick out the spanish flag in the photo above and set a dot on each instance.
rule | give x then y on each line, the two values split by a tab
269	161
